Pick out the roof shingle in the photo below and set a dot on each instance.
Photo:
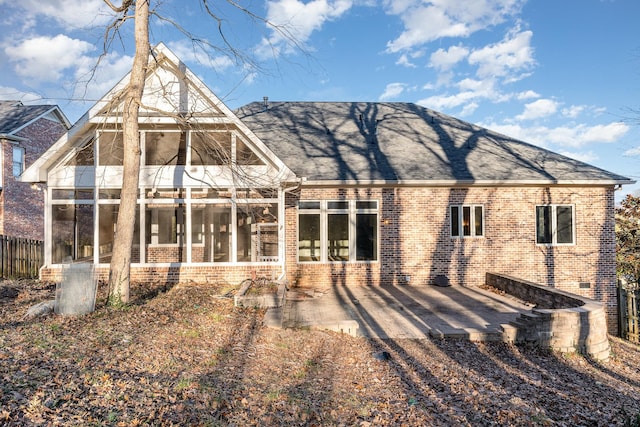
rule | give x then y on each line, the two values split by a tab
402	142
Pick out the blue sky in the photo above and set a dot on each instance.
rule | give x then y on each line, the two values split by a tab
560	74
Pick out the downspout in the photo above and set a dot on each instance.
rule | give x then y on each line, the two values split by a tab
286	190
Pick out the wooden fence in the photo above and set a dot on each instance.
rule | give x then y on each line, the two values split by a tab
20	258
628	299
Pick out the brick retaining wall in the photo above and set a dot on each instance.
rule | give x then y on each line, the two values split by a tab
560	320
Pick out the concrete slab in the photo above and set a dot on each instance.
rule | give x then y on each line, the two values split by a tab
402	311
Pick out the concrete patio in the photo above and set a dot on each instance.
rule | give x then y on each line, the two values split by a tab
400	311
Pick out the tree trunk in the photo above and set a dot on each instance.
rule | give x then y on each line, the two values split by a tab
120	267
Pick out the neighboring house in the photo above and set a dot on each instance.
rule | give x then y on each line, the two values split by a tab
26	131
324	194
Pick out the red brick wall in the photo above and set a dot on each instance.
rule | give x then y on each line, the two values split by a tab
22	205
415	240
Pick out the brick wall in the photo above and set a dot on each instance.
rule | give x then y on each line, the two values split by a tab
415	242
23	203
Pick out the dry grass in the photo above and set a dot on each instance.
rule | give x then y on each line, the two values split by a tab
186	356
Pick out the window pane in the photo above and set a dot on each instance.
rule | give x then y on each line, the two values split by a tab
245	156
72	233
309	237
466	221
369	204
165	226
543	224
251	223
165	148
338	205
478	217
455	221
111	147
84	156
338	237
564	221
210	233
165	193
210	148
18	161
309	205
107	220
366	237
109	193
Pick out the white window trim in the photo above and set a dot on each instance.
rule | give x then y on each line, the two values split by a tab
472	220
351	211
23	152
554	224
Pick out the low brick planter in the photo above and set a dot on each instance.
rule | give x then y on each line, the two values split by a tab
267	300
560	320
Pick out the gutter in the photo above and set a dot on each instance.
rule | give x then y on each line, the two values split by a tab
468	183
286	190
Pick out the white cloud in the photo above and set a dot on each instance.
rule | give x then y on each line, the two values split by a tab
299	20
93	85
528	94
428	21
632	152
447	102
393	90
513	54
46	58
471	91
538	109
405	61
67	13
446	59
587	156
566	136
469	109
11	94
187	52
573	111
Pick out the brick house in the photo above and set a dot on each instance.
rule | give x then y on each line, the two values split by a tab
325	194
26	131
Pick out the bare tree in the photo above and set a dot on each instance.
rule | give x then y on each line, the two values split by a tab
119	269
140	11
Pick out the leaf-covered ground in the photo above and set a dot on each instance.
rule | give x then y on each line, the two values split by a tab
185	356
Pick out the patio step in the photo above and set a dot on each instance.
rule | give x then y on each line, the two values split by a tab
476	335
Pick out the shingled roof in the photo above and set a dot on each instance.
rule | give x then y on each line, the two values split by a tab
14	115
361	142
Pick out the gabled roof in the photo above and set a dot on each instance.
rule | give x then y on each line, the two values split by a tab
172	92
15	116
377	143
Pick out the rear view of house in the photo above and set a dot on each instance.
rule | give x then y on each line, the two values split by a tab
26	131
324	194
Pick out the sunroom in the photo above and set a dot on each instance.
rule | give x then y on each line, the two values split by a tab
205	196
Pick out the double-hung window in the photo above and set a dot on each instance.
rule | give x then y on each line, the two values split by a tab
337	231
18	161
555	225
467	220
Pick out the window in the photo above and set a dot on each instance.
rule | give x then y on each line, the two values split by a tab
467	221
110	149
337	231
210	148
18	161
554	225
165	148
72	232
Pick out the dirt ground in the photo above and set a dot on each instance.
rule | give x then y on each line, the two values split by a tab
186	356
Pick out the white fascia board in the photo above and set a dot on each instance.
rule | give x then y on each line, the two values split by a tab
464	183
